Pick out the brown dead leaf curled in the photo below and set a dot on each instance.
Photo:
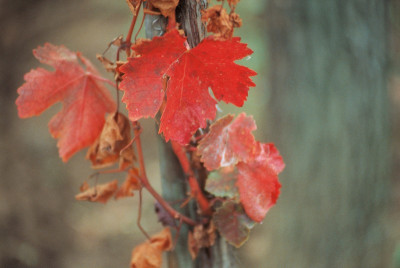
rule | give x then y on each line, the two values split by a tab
149	253
113	138
166	7
100	193
192	246
202	237
220	22
130	184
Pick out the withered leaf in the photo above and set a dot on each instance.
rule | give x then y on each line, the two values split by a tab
130	184
100	193
110	66
220	22
149	253
192	246
166	7
201	237
233	223
113	138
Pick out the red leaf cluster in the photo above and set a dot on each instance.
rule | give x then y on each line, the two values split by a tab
230	142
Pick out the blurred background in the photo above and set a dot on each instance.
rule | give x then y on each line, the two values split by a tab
328	95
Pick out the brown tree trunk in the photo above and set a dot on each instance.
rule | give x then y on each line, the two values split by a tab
329	109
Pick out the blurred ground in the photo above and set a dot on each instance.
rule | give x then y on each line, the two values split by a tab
41	225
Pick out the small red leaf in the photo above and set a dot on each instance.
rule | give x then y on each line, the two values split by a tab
81	90
228	142
258	181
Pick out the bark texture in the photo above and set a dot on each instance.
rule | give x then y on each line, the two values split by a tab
329	109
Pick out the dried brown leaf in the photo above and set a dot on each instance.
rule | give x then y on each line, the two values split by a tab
113	138
110	66
220	22
235	20
233	223
202	237
149	253
100	193
130	184
166	7
192	246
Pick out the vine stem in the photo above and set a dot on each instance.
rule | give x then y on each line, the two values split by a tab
196	191
146	184
132	26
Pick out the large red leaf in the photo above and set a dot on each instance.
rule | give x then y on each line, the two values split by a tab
258	181
228	142
191	73
81	90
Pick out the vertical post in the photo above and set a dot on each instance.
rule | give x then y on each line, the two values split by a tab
174	184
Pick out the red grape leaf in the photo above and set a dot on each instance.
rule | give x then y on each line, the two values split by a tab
233	223
228	142
222	182
149	253
273	157
100	193
81	90
191	73
258	181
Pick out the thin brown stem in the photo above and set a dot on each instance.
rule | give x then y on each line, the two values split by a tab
132	26
146	184
196	191
141	25
140	215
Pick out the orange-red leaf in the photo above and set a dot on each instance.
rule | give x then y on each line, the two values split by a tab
258	183
191	73
228	142
78	86
149	253
100	193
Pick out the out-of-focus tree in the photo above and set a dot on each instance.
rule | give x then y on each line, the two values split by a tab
329	109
